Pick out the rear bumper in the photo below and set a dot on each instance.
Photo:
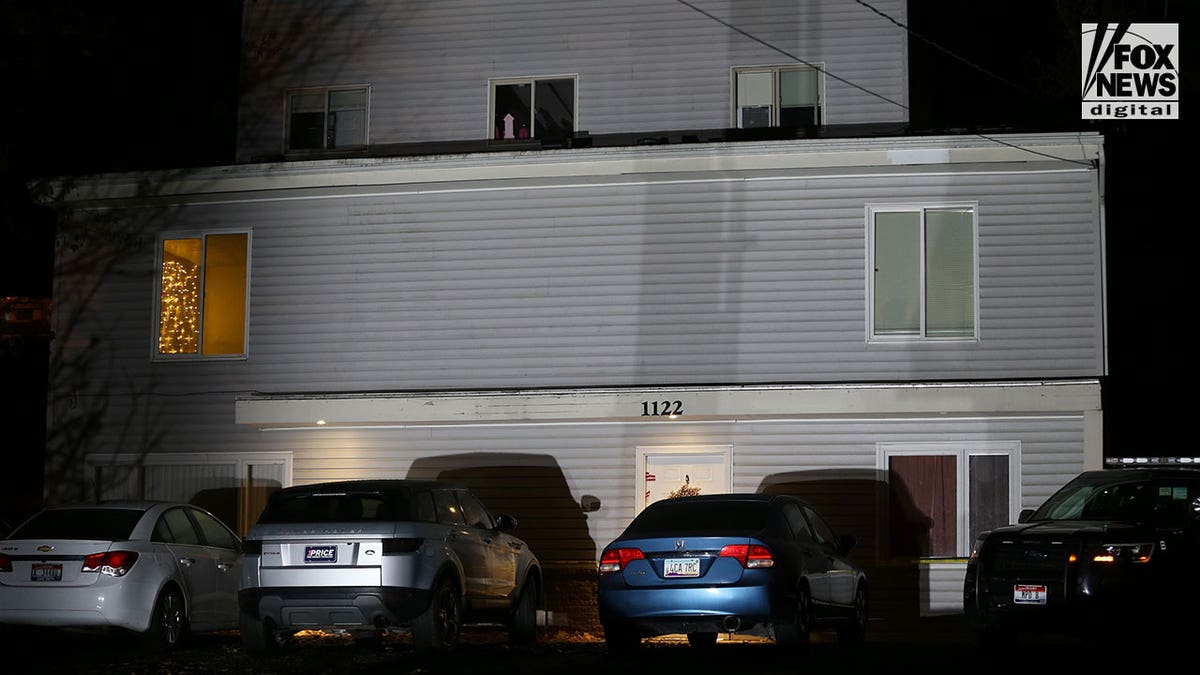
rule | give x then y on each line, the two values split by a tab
314	608
660	611
94	606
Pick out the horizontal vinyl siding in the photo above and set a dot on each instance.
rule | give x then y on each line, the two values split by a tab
541	473
712	280
664	283
641	66
942	588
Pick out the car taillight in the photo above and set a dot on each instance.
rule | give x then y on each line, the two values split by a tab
404	545
5	563
749	555
112	563
615	559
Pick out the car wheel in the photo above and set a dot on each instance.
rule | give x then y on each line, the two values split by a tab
259	638
796	634
436	629
524	620
621	641
856	626
702	640
168	624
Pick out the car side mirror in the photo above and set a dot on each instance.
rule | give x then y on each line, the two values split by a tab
505	523
1025	515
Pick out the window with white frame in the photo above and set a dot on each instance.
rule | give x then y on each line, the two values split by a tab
235	489
922	269
941	495
327	118
536	107
201	294
777	96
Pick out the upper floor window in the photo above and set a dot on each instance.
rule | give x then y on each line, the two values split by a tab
327	118
202	288
777	96
922	272
541	107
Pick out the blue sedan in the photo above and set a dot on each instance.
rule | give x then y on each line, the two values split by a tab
756	564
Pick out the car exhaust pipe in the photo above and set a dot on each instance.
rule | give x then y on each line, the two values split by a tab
732	623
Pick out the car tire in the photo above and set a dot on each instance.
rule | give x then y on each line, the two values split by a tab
855	629
795	635
437	628
702	640
524	620
168	623
621	641
259	638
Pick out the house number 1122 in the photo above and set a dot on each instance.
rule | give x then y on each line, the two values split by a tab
661	408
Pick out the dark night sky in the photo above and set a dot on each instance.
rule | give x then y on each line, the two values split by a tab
103	86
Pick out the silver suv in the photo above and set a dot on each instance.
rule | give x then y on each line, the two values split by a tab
372	556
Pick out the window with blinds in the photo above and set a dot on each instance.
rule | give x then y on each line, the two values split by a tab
923	272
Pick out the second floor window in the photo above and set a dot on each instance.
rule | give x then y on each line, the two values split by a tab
325	119
203	281
533	108
777	96
922	281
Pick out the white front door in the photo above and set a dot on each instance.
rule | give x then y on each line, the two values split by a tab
679	471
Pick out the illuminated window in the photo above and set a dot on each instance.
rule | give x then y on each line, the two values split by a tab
202	285
533	108
942	495
922	272
327	118
777	96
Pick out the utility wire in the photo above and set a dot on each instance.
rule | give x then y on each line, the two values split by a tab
788	54
944	50
881	96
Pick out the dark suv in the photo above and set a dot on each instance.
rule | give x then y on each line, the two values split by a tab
371	556
1114	550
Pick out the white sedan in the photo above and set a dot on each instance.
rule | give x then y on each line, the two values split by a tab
158	569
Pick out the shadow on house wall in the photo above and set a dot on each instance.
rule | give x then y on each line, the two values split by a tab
531	488
223	503
890	530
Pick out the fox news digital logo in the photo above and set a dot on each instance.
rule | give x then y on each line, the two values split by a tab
1130	71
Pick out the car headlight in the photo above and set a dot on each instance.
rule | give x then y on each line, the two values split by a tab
1135	553
977	546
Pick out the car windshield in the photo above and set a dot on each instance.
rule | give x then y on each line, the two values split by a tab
308	507
80	523
1108	500
701	517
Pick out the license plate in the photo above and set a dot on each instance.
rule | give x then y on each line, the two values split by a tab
681	567
46	572
320	554
1029	594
